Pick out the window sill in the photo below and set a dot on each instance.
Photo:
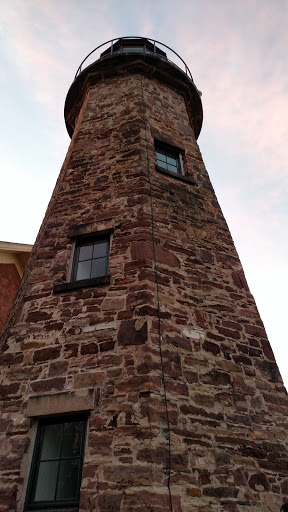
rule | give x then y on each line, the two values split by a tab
175	175
53	509
84	283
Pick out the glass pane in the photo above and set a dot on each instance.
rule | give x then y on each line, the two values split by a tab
100	249
83	270
51	442
85	252
171	160
68	479
46	481
160	157
172	168
133	49
162	164
99	267
72	437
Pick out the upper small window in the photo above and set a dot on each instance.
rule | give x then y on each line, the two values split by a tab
90	259
57	464
168	157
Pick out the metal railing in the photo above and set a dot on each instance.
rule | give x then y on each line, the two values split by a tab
183	66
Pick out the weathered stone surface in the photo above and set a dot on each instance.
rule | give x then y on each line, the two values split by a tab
86	380
168	356
258	482
60	403
109	502
46	354
133	474
132	332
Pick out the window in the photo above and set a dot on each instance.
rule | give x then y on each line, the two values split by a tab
168	157
90	259
56	470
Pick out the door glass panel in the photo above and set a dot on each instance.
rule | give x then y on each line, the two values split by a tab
68	479
46	481
51	442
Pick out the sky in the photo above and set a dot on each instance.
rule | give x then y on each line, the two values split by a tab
237	53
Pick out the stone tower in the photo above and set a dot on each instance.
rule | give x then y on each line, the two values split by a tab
136	372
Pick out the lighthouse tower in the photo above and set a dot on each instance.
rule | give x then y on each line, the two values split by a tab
136	371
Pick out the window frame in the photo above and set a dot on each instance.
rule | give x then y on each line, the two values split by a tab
81	242
46	505
165	149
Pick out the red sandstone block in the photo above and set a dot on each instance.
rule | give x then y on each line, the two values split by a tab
239	280
144	501
40	386
160	455
141	250
215	337
132	332
4	425
188	410
46	354
155	411
38	316
255	330
242	360
71	350
207	256
258	482
57	368
211	347
177	388
229	333
9	389
221	492
139	383
101	443
11	359
232	325
109	502
134	474
240	385
138	298
89	348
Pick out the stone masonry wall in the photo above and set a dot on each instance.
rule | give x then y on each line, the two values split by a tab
170	358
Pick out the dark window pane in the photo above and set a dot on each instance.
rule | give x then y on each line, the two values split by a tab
72	438
83	270
133	49
162	163
85	252
99	267
68	479
171	160
168	159
46	481
160	156
51	442
100	249
172	168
